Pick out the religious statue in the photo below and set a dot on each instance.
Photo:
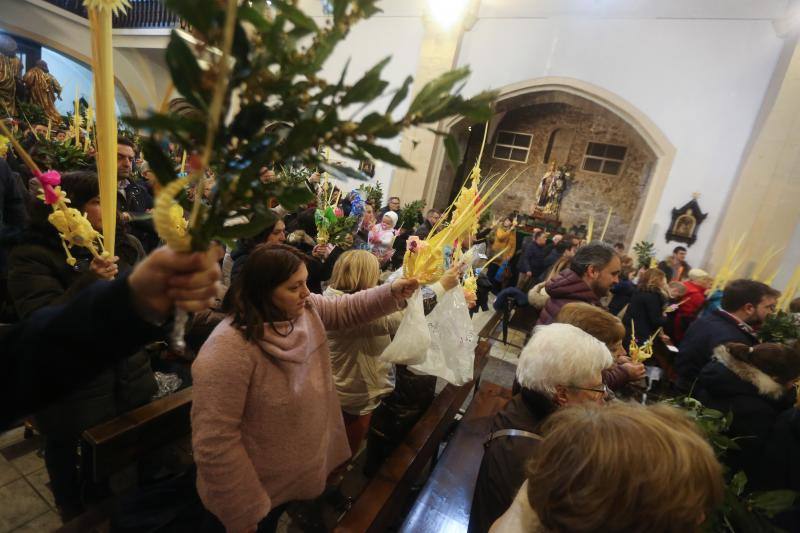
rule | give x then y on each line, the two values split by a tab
9	72
549	192
43	89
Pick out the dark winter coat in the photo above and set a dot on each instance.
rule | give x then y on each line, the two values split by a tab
423	229
705	334
532	259
646	312
550	259
136	201
502	470
565	288
753	398
622	293
13	216
34	370
40	277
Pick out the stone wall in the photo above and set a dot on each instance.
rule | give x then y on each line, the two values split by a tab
579	122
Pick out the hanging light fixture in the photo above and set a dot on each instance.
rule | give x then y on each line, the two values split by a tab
447	13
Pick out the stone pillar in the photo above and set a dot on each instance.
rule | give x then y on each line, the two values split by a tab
765	201
421	148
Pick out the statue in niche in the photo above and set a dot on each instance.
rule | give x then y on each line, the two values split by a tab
10	67
43	89
551	189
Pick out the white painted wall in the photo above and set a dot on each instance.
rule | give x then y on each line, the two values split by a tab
396	32
701	81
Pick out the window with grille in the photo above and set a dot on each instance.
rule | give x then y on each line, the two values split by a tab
604	158
512	146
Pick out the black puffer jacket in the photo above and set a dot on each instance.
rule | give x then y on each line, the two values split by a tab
40	277
754	399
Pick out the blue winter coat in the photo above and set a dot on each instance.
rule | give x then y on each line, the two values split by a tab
705	334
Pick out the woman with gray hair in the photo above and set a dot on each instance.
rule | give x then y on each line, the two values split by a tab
561	365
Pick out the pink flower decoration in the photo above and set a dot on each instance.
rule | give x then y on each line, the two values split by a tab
338	212
49	180
413	244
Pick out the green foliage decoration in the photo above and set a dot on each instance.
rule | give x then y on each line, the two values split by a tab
741	511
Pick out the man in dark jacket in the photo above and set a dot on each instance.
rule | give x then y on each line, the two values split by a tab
594	269
431	218
546	385
745	306
133	198
675	267
394	205
532	260
560	249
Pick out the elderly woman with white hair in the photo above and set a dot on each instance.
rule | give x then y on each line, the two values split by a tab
697	286
561	365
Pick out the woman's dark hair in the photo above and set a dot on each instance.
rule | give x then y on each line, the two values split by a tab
80	187
249	299
249	243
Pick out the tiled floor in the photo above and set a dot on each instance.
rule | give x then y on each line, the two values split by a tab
26	503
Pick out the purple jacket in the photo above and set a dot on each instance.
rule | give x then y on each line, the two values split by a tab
565	288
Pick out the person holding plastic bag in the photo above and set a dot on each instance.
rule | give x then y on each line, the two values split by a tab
361	378
266	422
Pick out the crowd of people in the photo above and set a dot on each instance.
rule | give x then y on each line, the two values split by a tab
288	385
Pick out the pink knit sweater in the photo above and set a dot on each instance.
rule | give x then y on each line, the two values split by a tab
266	423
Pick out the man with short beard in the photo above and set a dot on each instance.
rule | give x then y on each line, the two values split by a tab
592	272
746	304
133	199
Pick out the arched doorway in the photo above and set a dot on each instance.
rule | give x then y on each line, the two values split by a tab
652	165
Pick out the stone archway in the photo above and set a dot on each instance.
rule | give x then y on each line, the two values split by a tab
655	139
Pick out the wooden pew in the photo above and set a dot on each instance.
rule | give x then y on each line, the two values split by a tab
446	499
113	445
387	494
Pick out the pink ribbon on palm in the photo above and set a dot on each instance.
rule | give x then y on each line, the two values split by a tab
49	181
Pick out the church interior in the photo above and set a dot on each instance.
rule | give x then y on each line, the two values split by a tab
399	265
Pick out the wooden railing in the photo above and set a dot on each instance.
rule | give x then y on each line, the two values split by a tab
142	13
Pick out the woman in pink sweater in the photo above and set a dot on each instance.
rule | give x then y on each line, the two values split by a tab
266	423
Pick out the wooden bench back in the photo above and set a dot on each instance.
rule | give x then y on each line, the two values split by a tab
113	445
446	499
386	495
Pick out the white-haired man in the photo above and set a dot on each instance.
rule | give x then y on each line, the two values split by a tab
561	365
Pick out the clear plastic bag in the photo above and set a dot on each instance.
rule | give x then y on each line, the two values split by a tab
451	354
167	384
410	343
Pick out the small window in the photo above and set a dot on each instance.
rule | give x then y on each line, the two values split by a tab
604	158
512	146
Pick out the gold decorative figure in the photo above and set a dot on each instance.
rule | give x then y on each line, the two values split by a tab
43	89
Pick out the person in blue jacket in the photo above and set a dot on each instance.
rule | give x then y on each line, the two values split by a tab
745	306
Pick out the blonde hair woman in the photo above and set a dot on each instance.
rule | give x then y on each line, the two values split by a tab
361	378
582	478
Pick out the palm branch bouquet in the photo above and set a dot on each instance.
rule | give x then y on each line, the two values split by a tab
262	66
